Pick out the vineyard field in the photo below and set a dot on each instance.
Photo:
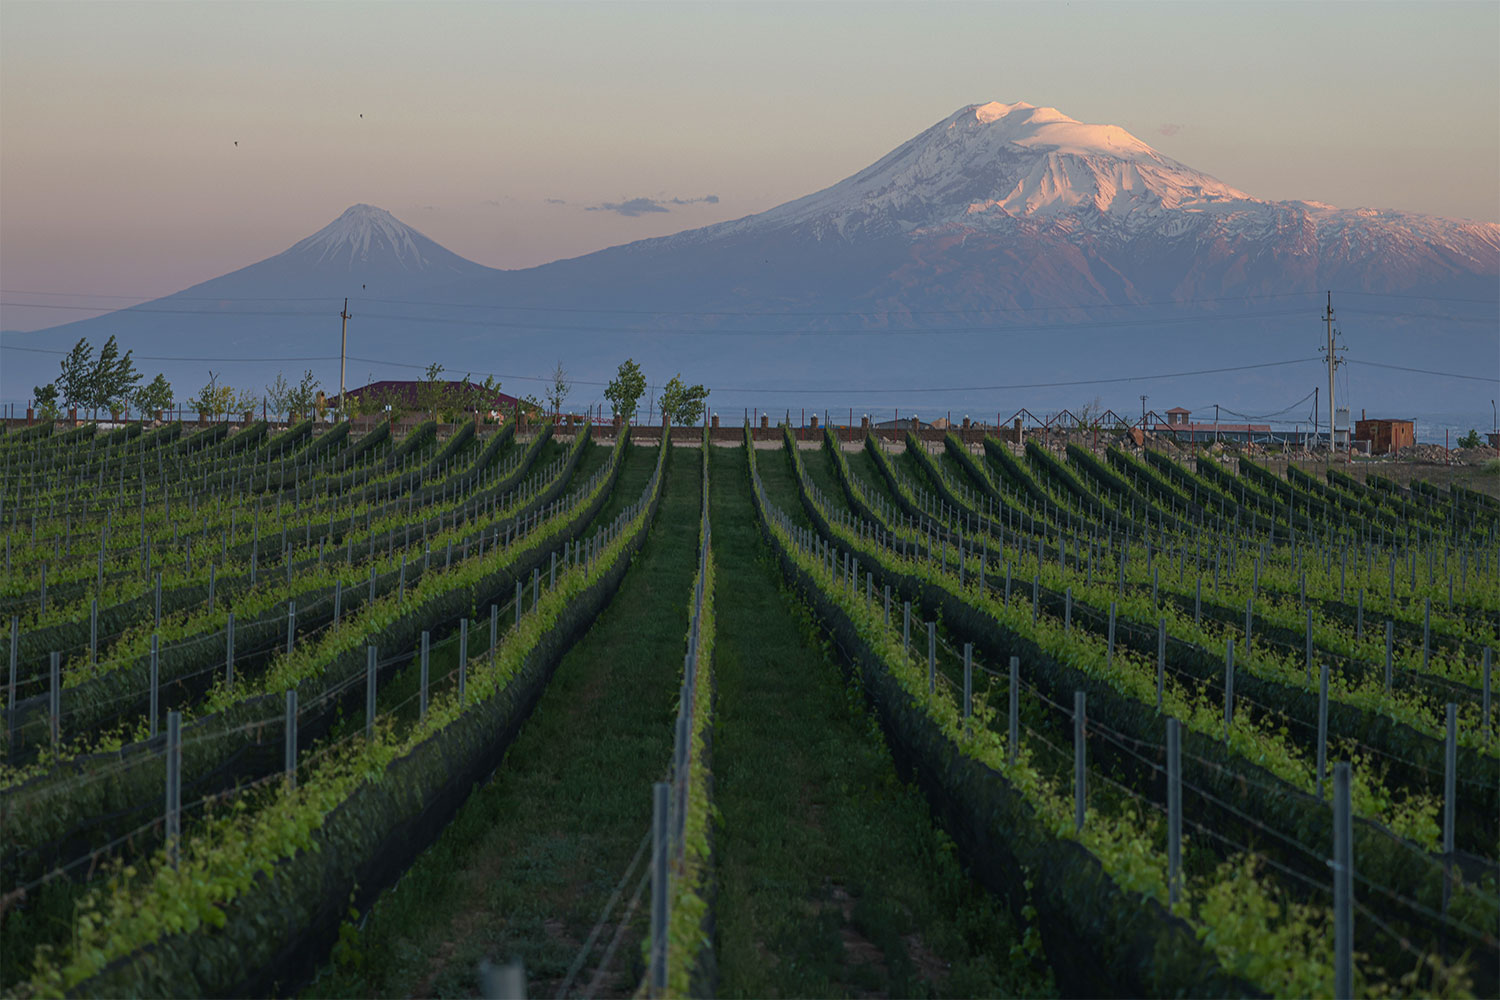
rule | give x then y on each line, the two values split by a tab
693	711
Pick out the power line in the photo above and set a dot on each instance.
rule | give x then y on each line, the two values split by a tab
643	312
1423	371
910	389
797	332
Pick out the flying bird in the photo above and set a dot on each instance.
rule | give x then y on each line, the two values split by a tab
236	142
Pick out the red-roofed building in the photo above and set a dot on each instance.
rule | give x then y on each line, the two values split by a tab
1180	428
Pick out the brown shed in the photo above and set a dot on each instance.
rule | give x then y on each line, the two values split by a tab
1386	436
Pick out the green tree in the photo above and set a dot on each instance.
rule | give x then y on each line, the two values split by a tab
476	397
1470	440
625	391
432	391
302	397
277	394
213	400
46	401
114	379
244	400
682	404
155	396
557	392
75	383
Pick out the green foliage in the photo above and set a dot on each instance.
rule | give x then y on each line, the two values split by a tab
557	392
113	380
682	404
432	391
46	401
214	400
625	390
75	383
277	393
1471	440
154	396
301	399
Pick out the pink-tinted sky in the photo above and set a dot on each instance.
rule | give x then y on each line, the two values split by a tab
507	131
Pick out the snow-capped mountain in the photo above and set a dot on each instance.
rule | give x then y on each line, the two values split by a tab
1008	242
1013	204
991	163
366	236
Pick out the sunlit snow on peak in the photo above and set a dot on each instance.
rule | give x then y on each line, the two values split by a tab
365	234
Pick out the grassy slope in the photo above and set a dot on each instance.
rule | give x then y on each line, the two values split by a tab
529	861
833	880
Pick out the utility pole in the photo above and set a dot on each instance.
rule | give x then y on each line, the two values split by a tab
1143	416
1216	426
1332	364
343	347
1315	416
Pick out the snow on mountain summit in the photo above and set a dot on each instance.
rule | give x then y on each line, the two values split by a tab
365	234
991	164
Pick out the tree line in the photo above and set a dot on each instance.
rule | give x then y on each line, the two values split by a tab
110	381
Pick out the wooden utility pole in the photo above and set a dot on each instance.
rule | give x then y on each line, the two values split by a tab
343	347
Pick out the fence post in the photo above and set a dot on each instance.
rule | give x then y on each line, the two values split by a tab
1390	638
10	701
289	732
1174	810
1343	885
887	605
1426	632
968	679
931	657
291	626
93	631
1322	725
1110	660
1450	798
422	696
494	631
174	785
1080	771
1161	659
463	657
55	699
369	692
519	594
1068	609
155	683
1228	687
1014	745
657	970
905	627
1484	696
1307	642
338	600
